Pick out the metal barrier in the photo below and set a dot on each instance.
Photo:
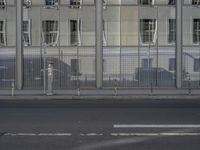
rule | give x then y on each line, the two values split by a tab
75	69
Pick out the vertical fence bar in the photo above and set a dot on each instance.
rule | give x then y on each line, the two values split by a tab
19	44
99	43
139	28
179	42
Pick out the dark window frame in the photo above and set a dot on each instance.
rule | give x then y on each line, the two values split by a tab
147	63
51	3
172	64
196	67
146	2
27	32
148	31
75	66
195	2
3	33
3	4
171	31
196	30
172	2
75	32
50	32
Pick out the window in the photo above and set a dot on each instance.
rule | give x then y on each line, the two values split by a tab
27	32
104	4
2	3
172	64
75	3
51	3
75	67
104	33
197	65
148	30
196	31
195	2
171	30
105	66
171	2
2	33
50	32
146	2
75	32
27	3
147	63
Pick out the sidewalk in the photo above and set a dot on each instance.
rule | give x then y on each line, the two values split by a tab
102	94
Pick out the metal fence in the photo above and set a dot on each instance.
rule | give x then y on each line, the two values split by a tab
72	68
139	67
125	67
7	68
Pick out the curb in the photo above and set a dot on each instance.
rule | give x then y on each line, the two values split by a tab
97	97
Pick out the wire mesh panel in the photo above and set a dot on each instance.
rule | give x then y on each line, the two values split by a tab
166	67
129	66
86	56
72	67
139	39
191	45
166	43
33	68
191	67
67	57
146	72
55	62
7	44
7	68
111	67
69	68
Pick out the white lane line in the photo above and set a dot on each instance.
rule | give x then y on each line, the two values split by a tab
51	134
37	134
20	134
91	134
155	134
54	134
156	126
100	134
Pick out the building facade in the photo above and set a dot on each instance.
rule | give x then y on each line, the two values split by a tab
139	43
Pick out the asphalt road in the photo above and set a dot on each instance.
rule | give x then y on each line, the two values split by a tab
105	125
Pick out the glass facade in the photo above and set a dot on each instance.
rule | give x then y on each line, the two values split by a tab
139	43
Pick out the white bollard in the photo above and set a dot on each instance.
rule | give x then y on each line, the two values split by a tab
115	91
78	92
13	89
50	80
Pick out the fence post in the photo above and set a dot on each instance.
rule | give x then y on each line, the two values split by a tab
179	42
99	43
19	44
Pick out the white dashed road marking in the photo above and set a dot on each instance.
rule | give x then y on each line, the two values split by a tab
91	134
101	134
156	126
155	134
37	134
